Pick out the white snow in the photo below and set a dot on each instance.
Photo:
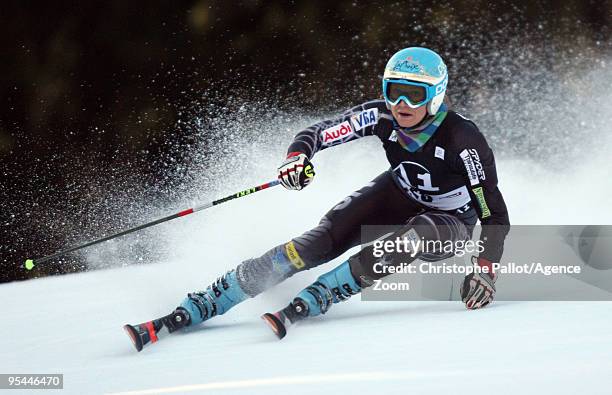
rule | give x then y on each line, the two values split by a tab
72	324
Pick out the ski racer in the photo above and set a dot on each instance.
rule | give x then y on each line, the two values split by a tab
442	180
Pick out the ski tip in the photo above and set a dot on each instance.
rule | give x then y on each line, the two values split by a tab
133	334
275	324
29	264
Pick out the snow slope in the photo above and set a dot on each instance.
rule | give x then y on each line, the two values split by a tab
72	324
380	347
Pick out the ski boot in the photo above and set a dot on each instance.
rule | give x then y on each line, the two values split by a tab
198	307
332	287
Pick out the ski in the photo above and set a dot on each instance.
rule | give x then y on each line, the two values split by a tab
148	332
141	334
276	322
280	321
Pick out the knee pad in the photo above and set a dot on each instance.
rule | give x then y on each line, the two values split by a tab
281	262
432	227
258	274
437	227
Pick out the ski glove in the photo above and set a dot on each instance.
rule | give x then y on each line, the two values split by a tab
478	288
296	172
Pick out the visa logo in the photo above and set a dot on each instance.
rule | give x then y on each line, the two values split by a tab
365	118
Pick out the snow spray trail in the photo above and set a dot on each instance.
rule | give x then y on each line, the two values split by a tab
549	131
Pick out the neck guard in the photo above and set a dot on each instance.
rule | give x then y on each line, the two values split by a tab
411	139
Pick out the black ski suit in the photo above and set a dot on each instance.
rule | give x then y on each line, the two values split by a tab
450	180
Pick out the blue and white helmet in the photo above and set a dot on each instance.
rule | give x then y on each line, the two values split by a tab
416	76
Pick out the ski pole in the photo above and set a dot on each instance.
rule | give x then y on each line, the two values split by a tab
30	263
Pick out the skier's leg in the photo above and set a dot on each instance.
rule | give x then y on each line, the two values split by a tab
379	202
250	278
357	272
429	226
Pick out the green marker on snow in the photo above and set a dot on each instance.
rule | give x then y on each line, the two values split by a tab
29	264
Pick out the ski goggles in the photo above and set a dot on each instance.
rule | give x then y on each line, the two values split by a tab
415	94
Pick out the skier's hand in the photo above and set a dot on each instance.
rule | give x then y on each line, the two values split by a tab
478	289
296	172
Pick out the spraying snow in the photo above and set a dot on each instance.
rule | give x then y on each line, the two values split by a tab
551	148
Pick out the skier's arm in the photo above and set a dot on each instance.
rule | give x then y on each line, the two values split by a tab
354	123
476	161
296	171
